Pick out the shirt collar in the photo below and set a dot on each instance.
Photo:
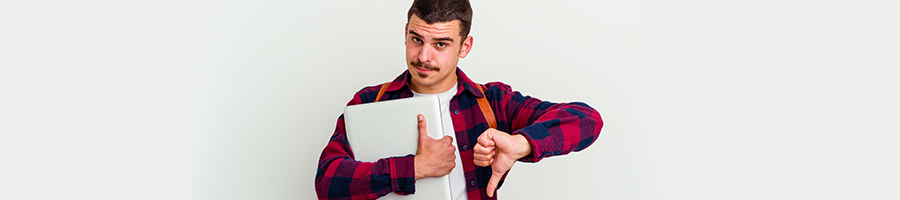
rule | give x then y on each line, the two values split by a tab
463	83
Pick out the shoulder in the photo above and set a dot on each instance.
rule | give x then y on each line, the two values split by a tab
499	91
365	95
497	87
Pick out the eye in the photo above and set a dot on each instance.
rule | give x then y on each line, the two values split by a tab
441	45
416	40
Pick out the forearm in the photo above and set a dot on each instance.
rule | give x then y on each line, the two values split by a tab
559	129
550	128
340	176
345	178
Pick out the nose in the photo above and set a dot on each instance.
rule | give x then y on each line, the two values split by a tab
424	55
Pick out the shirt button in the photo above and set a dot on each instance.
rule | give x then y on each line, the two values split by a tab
456	112
472	183
465	147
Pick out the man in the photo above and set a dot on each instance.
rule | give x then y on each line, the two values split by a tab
476	157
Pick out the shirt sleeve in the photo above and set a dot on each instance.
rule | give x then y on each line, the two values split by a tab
339	176
552	129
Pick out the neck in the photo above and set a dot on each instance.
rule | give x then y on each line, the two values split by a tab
436	88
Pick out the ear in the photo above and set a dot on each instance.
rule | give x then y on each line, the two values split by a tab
466	47
405	31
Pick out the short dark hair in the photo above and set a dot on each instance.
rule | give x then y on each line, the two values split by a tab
433	11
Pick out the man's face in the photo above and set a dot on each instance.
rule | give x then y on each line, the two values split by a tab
432	52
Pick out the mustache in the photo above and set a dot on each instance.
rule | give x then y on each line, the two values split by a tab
427	66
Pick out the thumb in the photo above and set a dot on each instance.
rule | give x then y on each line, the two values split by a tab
423	134
492	185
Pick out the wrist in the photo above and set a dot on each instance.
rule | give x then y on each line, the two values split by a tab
524	147
417	172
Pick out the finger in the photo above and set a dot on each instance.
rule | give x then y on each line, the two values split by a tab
422	125
451	149
483	157
492	185
482	163
480	149
486	138
447	139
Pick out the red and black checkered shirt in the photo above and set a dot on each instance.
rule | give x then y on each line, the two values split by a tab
551	128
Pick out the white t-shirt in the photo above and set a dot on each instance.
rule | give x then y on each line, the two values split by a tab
457	178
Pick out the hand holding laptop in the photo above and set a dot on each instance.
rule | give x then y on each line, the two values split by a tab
434	158
387	129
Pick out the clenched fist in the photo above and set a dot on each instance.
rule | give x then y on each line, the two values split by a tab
499	150
434	158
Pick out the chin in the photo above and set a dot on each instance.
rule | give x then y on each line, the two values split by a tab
427	81
423	81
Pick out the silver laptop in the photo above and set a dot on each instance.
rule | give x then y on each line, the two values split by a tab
390	128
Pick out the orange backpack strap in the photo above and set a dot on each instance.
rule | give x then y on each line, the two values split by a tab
486	109
381	91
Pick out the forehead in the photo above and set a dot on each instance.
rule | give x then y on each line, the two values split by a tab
437	29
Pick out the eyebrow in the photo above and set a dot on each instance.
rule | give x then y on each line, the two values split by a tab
436	39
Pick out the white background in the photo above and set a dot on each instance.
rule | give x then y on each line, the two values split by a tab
236	99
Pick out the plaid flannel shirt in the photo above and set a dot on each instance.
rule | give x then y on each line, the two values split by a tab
551	128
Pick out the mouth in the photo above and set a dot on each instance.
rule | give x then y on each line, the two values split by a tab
424	70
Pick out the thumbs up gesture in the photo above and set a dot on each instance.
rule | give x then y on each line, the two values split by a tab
500	150
434	158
